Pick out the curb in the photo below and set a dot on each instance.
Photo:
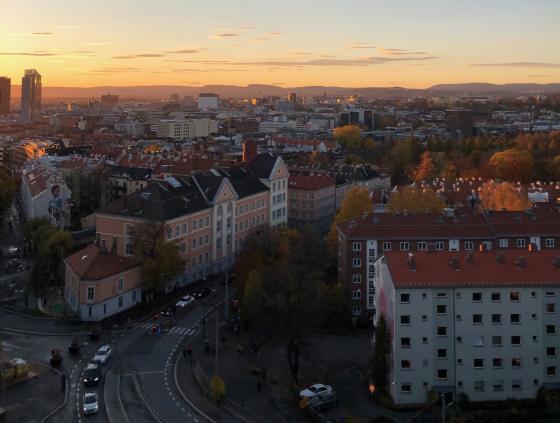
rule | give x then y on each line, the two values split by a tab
43	333
27	316
119	399
66	391
144	399
109	417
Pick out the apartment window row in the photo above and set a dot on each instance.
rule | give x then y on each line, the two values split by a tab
279	185
200	242
477	297
420	246
478	385
260	203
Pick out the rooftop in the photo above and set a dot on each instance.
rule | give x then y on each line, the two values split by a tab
91	263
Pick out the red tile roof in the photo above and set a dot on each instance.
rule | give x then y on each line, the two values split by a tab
93	264
310	182
433	269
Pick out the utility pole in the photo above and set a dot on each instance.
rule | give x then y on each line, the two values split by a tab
227	295
217	346
443	408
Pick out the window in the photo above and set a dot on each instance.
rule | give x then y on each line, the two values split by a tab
477	297
406	388
516	340
405	319
442	353
497	363
404	246
357	294
514	296
504	243
442	374
194	225
356	311
498	385
549	242
549	294
469	245
478	341
105	306
479	386
356	278
194	243
405	342
496	341
551	351
551	329
496	319
422	246
177	231
459	339
515	318
441	309
405	364
458	317
356	246
533	294
551	308
424	317
478	363
534	316
442	330
405	298
129	246
535	338
520	243
90	293
496	297
515	362
458	295
424	339
551	371
516	385
386	246
440	245
459	361
477	319
133	299
121	284
425	363
441	295
425	386
535	360
120	302
356	262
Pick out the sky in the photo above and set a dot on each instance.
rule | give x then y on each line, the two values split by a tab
351	43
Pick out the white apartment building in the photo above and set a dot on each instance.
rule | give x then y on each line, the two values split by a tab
180	129
484	324
208	101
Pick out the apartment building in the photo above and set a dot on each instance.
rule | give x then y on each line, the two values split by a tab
311	201
181	129
478	323
363	240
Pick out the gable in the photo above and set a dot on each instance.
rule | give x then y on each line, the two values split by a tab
225	192
280	170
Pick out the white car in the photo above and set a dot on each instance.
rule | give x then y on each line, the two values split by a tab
91	405
185	301
102	355
314	390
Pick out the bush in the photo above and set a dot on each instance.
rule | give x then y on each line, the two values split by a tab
217	388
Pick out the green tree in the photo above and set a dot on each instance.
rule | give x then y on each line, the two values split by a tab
379	363
355	204
348	136
8	187
253	300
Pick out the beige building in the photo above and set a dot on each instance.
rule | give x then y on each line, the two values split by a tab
311	202
185	128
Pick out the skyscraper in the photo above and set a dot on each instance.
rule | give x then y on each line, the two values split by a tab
30	96
5	86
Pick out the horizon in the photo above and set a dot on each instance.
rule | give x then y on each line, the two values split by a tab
294	44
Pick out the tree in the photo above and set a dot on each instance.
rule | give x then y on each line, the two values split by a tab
379	364
253	299
356	203
8	187
403	158
425	170
217	388
416	200
502	196
161	260
348	136
513	165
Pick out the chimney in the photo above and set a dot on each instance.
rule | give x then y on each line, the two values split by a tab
556	262
411	262
469	257
500	258
454	263
521	263
532	247
481	248
249	151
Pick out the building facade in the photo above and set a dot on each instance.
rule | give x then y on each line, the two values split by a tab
312	202
31	94
481	324
180	129
5	95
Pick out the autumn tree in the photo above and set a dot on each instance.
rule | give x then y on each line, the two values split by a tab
348	136
356	203
8	187
425	170
502	196
513	165
416	200
161	259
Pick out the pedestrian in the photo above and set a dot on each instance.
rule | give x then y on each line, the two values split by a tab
259	386
264	375
185	352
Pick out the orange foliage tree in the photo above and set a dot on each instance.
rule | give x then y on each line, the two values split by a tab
502	196
348	136
513	165
425	170
416	200
356	203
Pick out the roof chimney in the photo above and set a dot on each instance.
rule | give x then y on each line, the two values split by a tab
411	262
481	248
556	262
500	258
454	263
469	257
521	263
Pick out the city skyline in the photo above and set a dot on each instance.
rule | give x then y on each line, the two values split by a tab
355	44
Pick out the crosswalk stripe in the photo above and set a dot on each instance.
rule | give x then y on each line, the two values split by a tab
190	332
174	330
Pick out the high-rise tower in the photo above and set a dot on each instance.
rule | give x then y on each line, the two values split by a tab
31	88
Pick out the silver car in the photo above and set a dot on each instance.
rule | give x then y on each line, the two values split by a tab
91	405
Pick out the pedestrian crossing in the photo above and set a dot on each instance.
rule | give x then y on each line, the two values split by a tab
175	330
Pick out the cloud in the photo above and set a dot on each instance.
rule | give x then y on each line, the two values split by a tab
537	76
274	34
206	62
101	44
33	53
261	38
516	65
299	53
400	52
42	33
359	46
222	35
189	70
364	61
117	69
184	51
138	56
246	28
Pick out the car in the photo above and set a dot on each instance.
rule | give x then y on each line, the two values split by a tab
323	400
92	374
202	292
91	406
168	312
313	390
102	355
185	301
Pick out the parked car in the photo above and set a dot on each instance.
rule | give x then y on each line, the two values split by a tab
185	301
202	292
102	355
56	357
92	374
322	401
75	345
91	406
313	390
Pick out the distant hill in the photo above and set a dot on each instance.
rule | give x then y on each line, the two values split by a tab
260	90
